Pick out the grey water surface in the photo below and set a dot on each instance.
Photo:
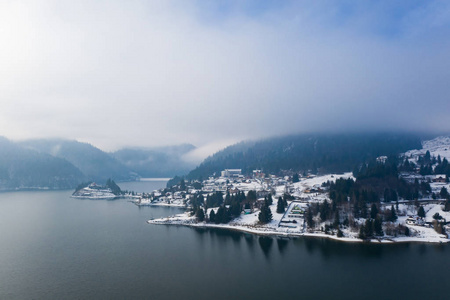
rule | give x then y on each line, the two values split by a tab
55	247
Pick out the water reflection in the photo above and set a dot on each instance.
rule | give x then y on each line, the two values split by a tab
266	244
282	244
249	238
201	232
326	248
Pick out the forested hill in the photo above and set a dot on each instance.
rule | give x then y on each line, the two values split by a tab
25	168
94	163
318	153
156	162
62	164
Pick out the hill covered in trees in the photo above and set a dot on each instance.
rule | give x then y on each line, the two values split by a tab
156	162
26	168
316	153
61	164
94	163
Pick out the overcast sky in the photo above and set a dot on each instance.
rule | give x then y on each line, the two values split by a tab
149	73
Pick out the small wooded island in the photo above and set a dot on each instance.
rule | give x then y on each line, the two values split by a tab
91	190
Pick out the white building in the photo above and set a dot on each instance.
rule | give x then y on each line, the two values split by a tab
231	173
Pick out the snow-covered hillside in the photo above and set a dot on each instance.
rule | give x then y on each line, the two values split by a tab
438	146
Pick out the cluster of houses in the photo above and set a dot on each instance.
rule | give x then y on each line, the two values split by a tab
411	177
231	181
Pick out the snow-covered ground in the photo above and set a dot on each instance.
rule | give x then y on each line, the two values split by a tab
437	186
94	193
249	223
311	190
160	202
438	146
304	187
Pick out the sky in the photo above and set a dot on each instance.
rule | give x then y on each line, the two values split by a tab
212	73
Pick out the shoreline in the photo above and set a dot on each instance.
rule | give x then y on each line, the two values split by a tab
270	232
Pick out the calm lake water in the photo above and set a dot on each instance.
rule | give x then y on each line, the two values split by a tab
56	247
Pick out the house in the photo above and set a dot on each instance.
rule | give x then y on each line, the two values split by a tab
247	211
414	220
262	193
257	173
442	178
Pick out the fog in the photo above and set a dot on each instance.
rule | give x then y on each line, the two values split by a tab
211	73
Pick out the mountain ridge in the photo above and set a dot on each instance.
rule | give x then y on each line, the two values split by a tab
317	153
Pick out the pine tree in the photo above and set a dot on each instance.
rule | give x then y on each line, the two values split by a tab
212	216
182	184
219	215
447	205
251	196
269	214
427	156
324	210
336	219
235	208
265	215
228	198
280	206
368	228
362	231
226	216
295	178
377	226
421	212
393	216
373	211
309	217
444	193
406	231
200	215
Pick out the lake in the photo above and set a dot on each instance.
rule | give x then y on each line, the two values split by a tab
57	247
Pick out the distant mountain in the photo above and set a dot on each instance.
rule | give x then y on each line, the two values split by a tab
25	168
156	162
318	153
59	163
94	163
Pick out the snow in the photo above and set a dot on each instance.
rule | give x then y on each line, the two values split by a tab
300	189
247	186
318	180
437	186
438	146
161	202
431	209
249	223
310	190
92	193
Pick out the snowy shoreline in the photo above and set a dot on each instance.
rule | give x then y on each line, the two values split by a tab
161	204
406	227
185	220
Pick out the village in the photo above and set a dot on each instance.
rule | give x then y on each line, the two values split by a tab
300	192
